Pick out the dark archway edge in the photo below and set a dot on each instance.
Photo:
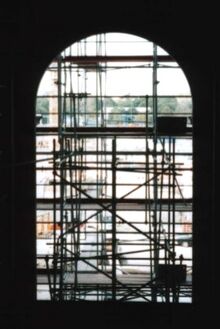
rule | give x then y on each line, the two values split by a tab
32	34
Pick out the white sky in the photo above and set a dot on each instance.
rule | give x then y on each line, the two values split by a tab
135	81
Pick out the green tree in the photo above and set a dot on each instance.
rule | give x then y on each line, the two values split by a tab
140	102
42	105
167	105
115	114
184	105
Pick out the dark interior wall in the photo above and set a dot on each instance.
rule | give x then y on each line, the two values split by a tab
31	34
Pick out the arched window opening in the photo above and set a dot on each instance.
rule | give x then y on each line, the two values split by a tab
114	174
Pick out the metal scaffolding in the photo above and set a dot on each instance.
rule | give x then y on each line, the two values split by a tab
118	200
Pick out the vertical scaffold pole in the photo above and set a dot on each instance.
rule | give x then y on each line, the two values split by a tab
55	247
114	236
155	164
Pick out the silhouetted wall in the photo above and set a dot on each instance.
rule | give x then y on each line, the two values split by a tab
31	34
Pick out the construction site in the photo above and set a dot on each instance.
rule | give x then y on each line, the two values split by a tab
114	174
